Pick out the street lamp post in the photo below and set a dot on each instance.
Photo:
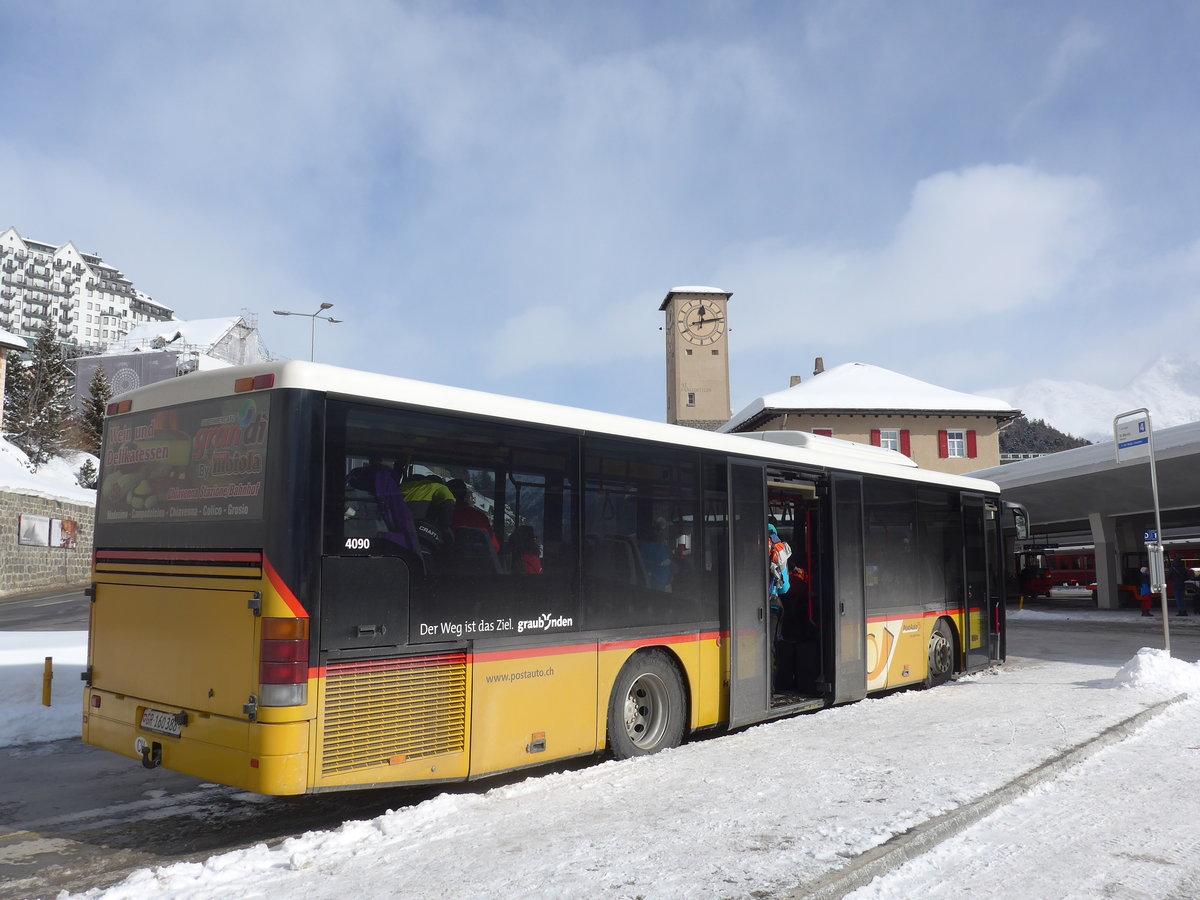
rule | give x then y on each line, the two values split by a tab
312	346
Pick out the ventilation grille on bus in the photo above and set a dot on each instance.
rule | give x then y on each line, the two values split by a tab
393	710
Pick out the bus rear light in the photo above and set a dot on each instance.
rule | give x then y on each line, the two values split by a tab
95	701
274	629
283	695
283	662
283	673
115	409
254	383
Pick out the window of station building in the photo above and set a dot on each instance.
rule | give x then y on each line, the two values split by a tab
956	444
482	515
641	536
691	399
889	438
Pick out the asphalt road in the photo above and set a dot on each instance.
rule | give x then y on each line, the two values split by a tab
73	817
49	611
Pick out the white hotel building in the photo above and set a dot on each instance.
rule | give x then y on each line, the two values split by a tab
89	303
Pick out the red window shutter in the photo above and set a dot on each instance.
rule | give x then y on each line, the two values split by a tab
943	445
824	432
875	439
906	442
972	445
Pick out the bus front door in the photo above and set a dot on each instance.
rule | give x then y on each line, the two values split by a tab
979	599
749	682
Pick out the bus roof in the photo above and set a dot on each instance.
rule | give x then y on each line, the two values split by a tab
785	447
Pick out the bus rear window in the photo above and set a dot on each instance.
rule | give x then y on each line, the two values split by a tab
202	462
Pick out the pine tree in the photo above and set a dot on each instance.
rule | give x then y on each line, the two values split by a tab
1036	436
16	395
91	416
37	406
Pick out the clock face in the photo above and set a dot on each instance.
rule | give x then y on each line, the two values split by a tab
701	321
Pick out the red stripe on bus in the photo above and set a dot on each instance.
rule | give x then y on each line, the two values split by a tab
601	646
561	650
492	656
927	615
177	556
394	664
283	590
654	641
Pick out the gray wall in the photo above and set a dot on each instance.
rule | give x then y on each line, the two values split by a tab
25	568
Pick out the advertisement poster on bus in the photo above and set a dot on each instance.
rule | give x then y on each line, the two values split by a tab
204	462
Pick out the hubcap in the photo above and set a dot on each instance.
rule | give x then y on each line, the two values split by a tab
646	711
939	654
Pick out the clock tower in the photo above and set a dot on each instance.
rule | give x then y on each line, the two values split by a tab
697	356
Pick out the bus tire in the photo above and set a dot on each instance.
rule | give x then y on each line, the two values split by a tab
941	654
647	711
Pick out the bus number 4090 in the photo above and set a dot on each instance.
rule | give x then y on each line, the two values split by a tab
358	543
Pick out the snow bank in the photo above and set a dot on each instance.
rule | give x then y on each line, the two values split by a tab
23	719
1156	670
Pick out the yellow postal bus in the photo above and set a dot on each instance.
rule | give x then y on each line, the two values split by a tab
308	578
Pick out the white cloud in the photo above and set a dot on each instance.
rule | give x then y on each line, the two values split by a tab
579	336
981	241
1079	43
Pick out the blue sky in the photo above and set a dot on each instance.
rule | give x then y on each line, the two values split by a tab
499	195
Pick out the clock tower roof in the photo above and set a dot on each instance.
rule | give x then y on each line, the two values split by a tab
692	290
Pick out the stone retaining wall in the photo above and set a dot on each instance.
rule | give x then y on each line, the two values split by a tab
24	568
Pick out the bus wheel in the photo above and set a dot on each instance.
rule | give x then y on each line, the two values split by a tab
646	710
941	655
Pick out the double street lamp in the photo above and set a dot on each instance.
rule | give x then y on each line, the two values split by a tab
312	347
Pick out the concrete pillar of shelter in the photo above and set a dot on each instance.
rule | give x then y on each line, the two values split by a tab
1108	574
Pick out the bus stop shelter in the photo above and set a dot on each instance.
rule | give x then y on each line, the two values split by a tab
1083	495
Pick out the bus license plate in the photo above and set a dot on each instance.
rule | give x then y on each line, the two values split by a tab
161	722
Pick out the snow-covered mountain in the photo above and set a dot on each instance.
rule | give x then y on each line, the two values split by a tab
1168	387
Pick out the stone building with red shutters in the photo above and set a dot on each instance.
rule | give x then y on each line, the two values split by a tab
937	428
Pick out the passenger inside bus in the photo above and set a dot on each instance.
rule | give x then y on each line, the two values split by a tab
526	551
796	642
429	499
374	497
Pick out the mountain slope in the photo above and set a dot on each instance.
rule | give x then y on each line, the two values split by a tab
1169	388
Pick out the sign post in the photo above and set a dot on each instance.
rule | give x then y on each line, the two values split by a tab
1133	436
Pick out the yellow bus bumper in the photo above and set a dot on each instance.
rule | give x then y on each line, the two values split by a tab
254	756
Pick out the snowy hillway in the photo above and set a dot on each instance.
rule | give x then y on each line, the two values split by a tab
1169	387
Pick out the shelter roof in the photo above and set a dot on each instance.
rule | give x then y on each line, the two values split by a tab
1065	488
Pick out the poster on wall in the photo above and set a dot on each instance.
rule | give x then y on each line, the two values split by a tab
43	531
64	533
33	531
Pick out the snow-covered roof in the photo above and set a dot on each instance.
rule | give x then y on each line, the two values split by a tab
10	341
691	289
198	333
861	387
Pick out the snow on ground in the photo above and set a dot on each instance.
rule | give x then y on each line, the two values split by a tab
763	810
1122	824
